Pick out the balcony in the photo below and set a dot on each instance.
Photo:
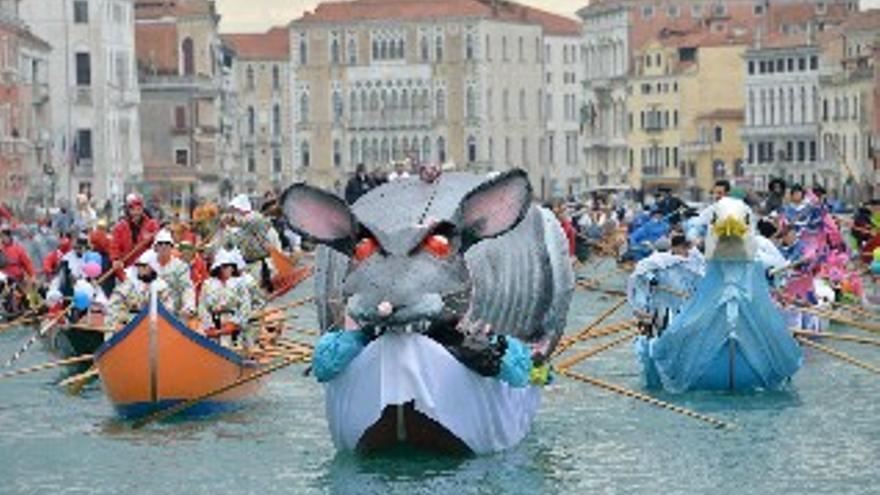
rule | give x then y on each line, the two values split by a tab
805	130
173	82
389	120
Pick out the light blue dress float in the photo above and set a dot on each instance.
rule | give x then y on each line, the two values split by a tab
729	336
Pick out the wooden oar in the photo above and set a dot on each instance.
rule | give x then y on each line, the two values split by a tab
588	329
45	329
171	411
47	366
839	355
577	358
17	322
603	331
836	336
626	392
594	286
76	382
869	327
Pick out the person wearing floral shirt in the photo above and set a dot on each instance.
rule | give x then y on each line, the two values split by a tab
133	294
225	303
176	274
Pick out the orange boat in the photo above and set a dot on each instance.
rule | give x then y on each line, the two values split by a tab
156	362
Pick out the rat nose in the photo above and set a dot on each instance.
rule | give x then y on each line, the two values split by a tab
384	309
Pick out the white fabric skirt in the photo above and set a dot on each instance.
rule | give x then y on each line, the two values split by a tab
485	413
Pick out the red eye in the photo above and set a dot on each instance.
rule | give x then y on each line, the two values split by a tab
438	245
366	248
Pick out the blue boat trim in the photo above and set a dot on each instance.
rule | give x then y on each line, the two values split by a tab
136	410
196	338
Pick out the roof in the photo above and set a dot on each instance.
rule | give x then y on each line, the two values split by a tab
865	20
274	44
416	10
156	9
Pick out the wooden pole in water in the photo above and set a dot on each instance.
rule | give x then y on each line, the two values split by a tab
588	329
602	331
171	411
617	389
837	336
47	366
839	355
573	360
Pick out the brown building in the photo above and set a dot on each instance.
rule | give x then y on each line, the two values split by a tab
262	74
188	107
26	178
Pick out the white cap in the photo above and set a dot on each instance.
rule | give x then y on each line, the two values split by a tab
150	259
224	257
239	259
241	203
163	236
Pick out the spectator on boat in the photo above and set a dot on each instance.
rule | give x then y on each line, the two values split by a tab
134	230
133	294
52	261
176	274
225	303
359	184
198	269
14	260
70	267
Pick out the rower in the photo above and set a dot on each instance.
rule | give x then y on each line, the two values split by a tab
225	303
132	295
134	229
176	274
252	234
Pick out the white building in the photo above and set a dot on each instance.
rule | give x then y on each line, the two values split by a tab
563	75
606	61
95	96
781	129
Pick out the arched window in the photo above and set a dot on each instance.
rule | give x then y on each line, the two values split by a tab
303	49
441	149
189	61
426	149
472	149
337	107
276	120
438	49
386	151
404	100
803	105
365	151
337	153
304	107
276	78
305	156
353	150
364	101
383	50
352	52
393	103
404	145
375	49
374	101
469	47
441	104
251	121
401	51
353	104
395	148
719	170
522	104
424	50
471	103
334	51
719	134
249	77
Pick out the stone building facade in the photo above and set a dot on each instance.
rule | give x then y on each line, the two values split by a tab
95	94
261	69
190	140
458	82
25	124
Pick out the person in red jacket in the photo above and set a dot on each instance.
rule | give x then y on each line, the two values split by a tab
52	261
135	230
15	262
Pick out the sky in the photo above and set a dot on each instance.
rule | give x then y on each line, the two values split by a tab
244	16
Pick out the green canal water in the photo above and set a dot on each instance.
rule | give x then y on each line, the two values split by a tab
821	436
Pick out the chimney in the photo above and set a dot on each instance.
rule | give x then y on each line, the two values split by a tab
811	35
759	37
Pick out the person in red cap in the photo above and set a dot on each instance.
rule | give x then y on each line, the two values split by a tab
135	230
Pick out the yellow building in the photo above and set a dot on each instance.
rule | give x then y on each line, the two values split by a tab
686	105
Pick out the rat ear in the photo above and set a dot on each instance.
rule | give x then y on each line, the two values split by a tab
495	206
320	215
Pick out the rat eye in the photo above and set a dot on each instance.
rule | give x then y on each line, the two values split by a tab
365	248
438	245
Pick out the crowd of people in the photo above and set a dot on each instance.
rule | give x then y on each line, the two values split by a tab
214	272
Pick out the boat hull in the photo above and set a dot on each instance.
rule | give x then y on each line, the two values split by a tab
156	361
407	389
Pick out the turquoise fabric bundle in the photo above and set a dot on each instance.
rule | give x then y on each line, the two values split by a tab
335	350
731	335
516	365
